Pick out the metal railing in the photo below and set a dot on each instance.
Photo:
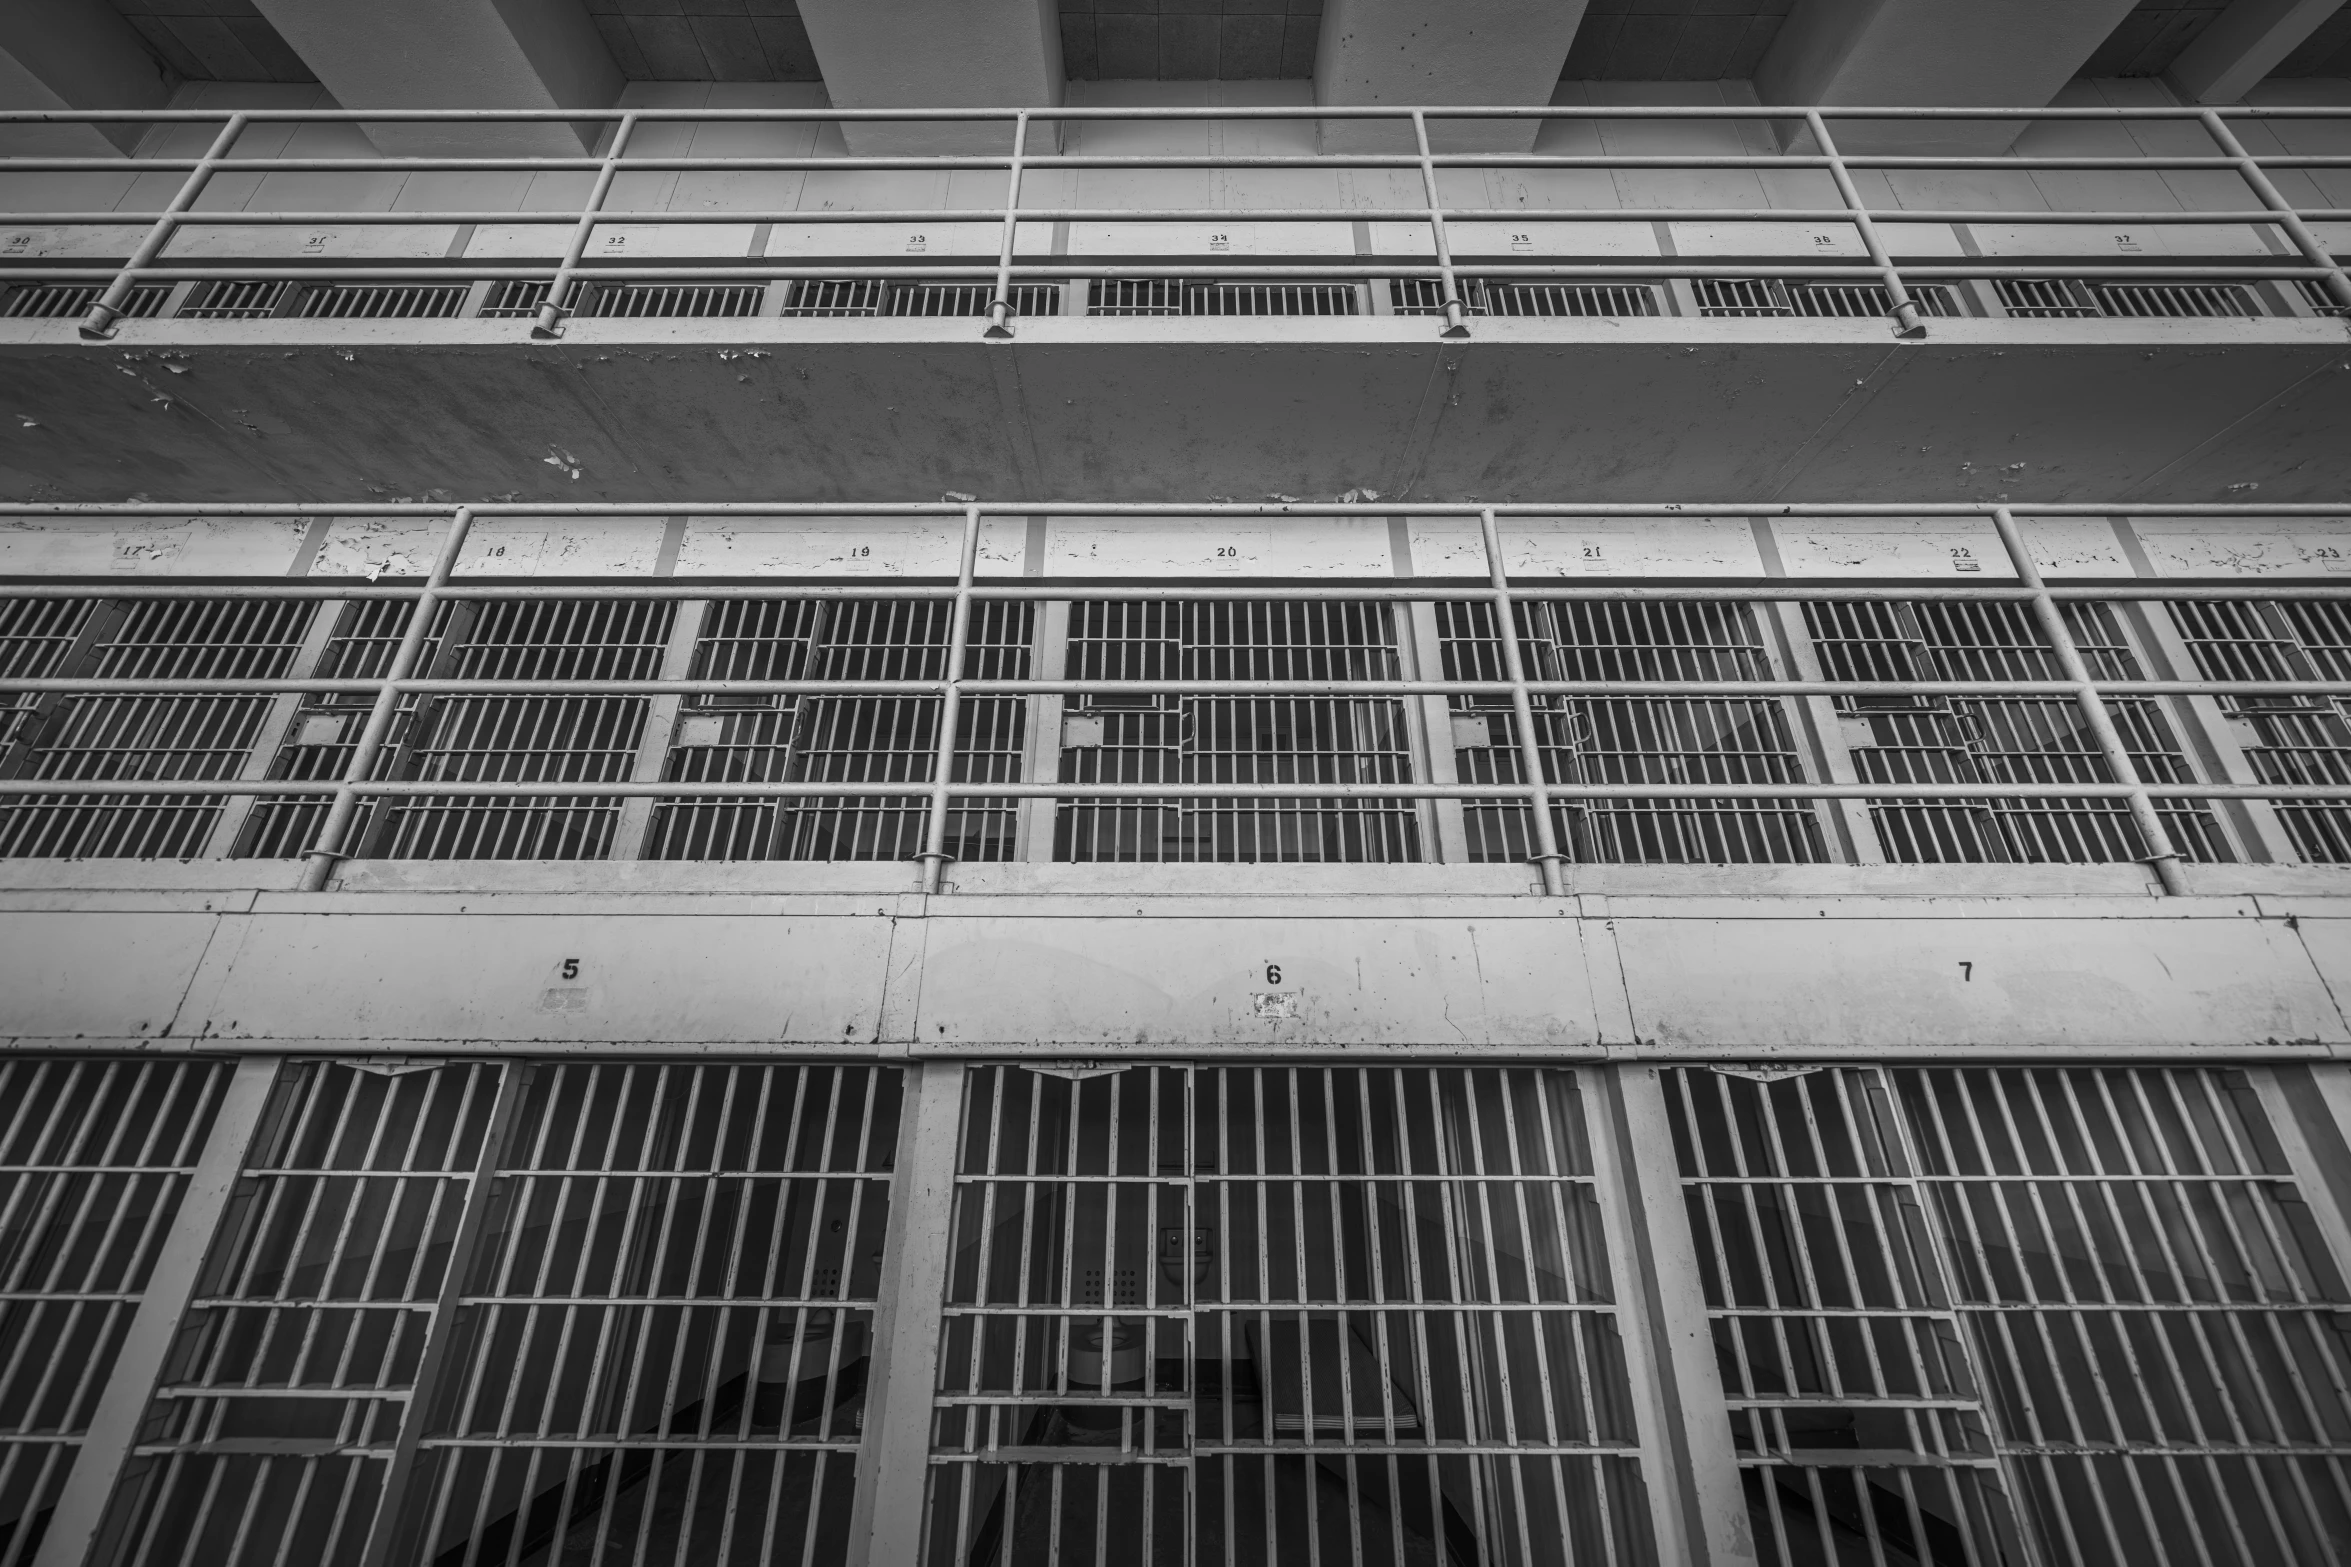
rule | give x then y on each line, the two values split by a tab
2307	260
2152	804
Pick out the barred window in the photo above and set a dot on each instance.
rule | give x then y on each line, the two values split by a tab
2040	740
489	1313
2297	740
95	1156
1628	740
1219	297
132	737
1152	737
1813	297
844	739
882	297
1368	1310
2073	1315
1424	296
478	739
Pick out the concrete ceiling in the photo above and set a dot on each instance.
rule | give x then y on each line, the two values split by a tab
2146	42
706	40
214	40
1189	40
2326	52
1673	41
1168	40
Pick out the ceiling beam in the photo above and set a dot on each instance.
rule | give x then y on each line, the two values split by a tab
937	54
1401	52
2242	45
1932	54
74	54
457	54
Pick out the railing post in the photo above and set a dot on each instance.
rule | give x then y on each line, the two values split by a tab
100	321
336	830
1000	308
1455	326
1906	321
2336	283
2160	854
934	855
552	309
1530	748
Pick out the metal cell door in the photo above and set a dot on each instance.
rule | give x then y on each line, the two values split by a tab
1266	1315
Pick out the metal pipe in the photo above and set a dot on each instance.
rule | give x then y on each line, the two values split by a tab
1864	790
1177	112
819	216
100	321
1530	746
1318	160
1455	326
1261	688
1167	509
335	831
934	856
1000	308
754	271
1365	592
2160	854
553	309
1906	322
2338	286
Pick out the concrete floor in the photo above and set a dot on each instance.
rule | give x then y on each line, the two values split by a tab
814	410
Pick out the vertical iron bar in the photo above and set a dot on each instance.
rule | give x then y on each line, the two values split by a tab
1454	325
1000	308
1530	749
336	829
2337	285
552	309
1906	321
934	854
100	321
114	1424
2160	854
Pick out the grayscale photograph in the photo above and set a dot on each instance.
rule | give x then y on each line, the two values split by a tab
1175	783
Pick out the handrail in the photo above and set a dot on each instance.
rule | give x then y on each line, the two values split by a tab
2298	254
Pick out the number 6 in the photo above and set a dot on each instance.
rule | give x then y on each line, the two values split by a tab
1273	973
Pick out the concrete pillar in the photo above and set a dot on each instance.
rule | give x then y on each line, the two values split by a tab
2242	45
74	54
1406	52
458	54
937	54
1932	53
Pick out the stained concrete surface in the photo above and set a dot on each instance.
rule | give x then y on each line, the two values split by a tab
1659	409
